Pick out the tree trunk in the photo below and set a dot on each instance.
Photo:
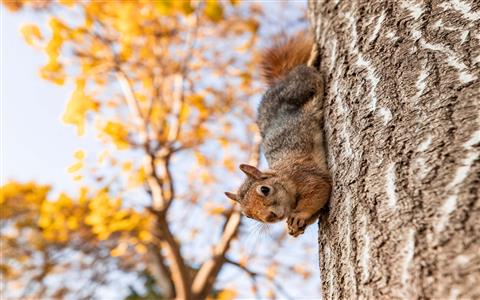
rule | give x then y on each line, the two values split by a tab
402	123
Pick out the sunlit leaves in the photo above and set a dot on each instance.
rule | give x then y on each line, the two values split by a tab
16	198
164	7
214	10
54	70
225	294
31	33
74	169
137	178
105	216
79	104
97	215
215	210
142	38
168	7
118	133
120	250
68	3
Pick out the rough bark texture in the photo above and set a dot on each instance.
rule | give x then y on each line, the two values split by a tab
402	109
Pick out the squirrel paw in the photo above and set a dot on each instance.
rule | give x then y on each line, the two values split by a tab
297	222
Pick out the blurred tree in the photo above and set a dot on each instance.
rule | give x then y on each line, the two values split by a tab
167	87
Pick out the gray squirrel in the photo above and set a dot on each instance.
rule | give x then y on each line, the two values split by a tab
290	118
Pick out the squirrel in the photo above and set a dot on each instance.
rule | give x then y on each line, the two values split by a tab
290	118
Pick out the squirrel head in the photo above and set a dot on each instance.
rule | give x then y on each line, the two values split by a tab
263	196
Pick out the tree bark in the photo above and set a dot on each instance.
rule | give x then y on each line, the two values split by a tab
402	123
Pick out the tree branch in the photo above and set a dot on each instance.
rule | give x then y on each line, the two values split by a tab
160	272
160	231
205	278
256	274
178	99
132	102
179	272
209	270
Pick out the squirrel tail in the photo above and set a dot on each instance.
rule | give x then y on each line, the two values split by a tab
284	55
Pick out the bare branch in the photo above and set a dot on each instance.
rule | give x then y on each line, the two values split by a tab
253	275
132	103
203	281
160	272
161	231
209	270
178	99
178	81
256	274
179	272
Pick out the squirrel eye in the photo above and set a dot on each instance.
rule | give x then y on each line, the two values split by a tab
265	190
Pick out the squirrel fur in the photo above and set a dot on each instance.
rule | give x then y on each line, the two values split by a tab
290	118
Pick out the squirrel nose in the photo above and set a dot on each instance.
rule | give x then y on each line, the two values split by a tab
272	216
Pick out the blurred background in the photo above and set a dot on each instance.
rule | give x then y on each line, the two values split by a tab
122	125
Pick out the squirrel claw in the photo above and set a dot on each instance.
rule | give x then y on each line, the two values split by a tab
296	224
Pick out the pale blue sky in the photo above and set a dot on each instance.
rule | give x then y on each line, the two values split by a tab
35	143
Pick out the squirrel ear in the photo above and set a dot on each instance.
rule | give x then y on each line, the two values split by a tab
232	196
251	171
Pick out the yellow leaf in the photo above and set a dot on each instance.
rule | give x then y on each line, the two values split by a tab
103	235
226	295
53	71
163	7
75	167
214	10
13	5
127	166
44	221
93	219
229	164
77	177
72	223
223	141
145	236
206	177
185	6
120	250
79	154
216	210
201	159
137	178
271	271
184	113
31	34
78	106
118	133
67	3
141	248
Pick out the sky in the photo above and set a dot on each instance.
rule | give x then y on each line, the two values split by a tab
35	144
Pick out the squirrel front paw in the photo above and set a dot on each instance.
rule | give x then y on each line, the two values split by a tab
297	222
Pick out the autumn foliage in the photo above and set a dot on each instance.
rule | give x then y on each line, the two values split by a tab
167	87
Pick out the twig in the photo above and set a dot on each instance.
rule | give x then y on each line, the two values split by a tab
256	274
203	281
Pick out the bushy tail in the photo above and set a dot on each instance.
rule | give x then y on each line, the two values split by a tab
284	55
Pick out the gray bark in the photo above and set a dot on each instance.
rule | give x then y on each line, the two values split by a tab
402	123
